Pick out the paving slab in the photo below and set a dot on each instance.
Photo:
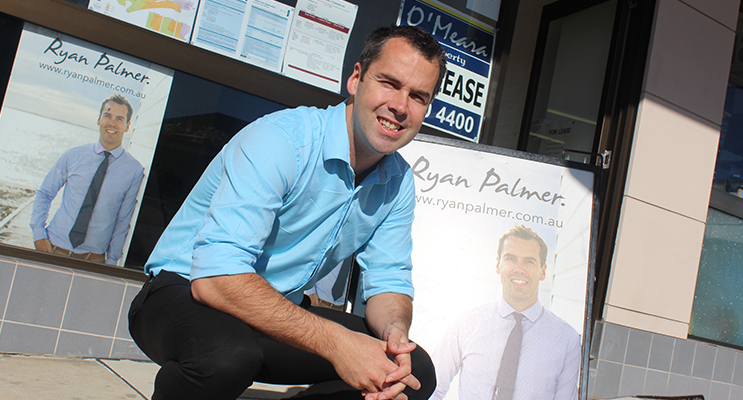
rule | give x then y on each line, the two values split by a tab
39	378
140	375
51	377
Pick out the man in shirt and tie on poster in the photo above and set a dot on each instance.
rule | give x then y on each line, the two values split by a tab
101	181
513	348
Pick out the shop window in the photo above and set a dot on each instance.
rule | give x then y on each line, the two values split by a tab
718	300
729	166
194	117
717	312
192	133
52	108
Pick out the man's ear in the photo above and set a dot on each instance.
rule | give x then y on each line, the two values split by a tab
352	84
497	266
544	272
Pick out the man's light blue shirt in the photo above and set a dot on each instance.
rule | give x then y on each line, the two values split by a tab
279	200
110	221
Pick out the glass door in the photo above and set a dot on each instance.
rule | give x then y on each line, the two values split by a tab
561	118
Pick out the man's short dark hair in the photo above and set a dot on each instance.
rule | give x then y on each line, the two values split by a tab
522	232
419	39
122	101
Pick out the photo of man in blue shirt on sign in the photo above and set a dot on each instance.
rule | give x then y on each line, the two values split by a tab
101	181
513	348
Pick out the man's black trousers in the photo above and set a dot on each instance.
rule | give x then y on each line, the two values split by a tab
207	354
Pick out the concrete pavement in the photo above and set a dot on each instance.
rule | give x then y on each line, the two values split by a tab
71	378
40	377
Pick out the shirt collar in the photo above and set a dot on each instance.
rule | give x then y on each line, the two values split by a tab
115	152
337	146
531	313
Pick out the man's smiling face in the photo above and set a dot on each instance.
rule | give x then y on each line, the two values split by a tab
520	269
391	99
113	124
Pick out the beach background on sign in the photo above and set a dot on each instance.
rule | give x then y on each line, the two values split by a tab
31	144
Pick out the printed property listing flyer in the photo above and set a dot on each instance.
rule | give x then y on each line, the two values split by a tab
318	41
254	31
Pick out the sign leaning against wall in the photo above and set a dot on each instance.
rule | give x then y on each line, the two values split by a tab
498	231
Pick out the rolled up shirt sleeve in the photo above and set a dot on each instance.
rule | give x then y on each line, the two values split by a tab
385	261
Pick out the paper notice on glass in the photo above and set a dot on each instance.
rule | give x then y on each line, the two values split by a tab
218	25
173	18
255	31
318	40
266	34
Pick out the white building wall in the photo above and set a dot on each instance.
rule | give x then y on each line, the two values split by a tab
659	239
